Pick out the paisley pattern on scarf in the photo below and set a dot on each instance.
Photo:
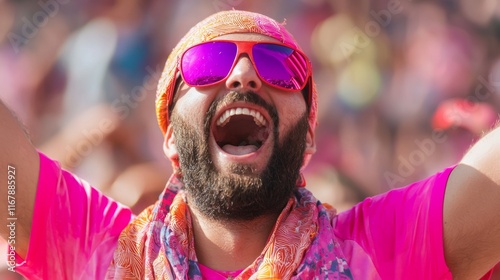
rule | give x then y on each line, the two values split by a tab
222	23
159	244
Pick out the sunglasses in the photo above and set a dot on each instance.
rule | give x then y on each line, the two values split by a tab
277	65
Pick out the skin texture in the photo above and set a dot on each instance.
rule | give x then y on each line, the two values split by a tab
472	211
16	150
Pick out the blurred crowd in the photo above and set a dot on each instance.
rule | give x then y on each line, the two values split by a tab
405	86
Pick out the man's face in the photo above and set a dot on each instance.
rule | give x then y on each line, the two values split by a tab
240	143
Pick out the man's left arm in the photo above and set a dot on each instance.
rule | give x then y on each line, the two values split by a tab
472	211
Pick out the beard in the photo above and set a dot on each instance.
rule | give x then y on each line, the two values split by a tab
241	195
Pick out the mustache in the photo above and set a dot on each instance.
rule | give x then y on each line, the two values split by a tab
239	96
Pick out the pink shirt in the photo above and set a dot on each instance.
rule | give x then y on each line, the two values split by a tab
75	228
397	235
213	274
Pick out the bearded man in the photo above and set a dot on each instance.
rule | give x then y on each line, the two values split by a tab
237	105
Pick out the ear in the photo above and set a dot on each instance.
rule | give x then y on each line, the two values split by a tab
310	141
169	147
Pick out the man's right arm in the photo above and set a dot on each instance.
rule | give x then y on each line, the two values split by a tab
19	166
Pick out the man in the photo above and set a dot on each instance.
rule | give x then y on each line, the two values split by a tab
237	105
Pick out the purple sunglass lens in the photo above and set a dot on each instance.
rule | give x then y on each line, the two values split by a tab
207	63
280	66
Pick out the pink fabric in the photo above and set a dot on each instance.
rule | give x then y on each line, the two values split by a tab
213	274
75	228
397	235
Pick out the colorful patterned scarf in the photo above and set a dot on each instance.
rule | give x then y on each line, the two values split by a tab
159	244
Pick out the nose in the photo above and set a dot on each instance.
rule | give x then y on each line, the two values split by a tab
243	76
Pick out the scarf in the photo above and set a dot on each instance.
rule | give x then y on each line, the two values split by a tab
159	243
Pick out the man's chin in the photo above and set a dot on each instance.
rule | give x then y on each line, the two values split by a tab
225	168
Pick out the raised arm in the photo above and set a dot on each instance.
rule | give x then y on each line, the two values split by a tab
19	165
472	211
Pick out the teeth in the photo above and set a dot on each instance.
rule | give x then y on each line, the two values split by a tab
257	117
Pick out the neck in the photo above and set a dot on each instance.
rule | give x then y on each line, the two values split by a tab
230	245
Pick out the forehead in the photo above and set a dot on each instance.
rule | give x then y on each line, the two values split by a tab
247	37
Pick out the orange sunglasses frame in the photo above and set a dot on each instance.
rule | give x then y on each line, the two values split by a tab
245	47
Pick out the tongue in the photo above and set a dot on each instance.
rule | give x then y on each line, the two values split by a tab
239	150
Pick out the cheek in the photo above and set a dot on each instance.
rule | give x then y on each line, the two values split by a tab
192	106
292	111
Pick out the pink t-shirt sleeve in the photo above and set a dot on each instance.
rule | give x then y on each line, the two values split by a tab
75	228
399	234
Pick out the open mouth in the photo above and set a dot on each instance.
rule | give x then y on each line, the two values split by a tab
241	131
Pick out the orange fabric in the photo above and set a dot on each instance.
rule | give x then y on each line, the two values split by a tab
225	22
